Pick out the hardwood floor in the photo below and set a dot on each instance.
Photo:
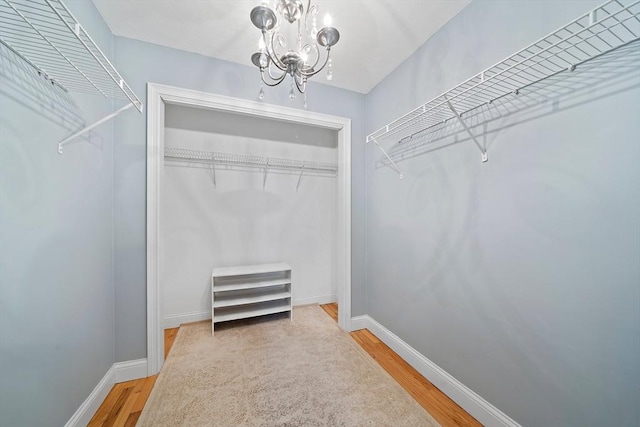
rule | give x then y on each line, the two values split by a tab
169	338
444	410
331	309
123	405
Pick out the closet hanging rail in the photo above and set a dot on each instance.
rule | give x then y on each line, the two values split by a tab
50	39
606	28
244	160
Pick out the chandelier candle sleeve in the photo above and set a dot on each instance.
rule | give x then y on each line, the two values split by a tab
301	58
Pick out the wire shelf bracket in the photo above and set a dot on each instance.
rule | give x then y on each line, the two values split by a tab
300	177
613	25
213	172
391	162
466	128
46	35
266	170
91	126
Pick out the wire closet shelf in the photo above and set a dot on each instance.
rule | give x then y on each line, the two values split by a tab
608	27
49	38
249	161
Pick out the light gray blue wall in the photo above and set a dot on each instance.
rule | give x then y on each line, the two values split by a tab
56	263
521	276
142	62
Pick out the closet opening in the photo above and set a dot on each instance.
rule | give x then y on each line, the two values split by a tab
232	182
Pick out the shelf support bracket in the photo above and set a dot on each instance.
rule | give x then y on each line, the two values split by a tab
213	169
473	137
300	177
264	180
91	126
391	162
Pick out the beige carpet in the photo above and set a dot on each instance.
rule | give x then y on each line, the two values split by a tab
274	372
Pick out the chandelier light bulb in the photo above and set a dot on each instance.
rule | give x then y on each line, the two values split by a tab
264	60
261	44
327	20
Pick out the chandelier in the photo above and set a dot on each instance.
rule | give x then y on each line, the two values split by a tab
301	59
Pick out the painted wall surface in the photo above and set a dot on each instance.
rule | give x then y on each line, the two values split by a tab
56	263
143	62
244	219
520	277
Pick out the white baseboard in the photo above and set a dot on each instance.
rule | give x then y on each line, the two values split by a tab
471	402
322	299
360	322
175	320
91	404
130	370
117	373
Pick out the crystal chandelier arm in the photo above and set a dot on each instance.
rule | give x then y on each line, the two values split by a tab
311	10
279	78
317	55
307	10
275	81
314	72
271	52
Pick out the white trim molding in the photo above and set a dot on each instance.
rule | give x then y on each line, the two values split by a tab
360	322
175	320
157	97
130	370
91	404
470	401
117	373
320	299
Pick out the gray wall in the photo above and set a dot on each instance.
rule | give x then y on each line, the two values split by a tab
142	62
56	263
520	277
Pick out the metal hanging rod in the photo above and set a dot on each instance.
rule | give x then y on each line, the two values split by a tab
244	160
604	29
50	39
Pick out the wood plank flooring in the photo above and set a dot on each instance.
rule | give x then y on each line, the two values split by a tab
331	310
123	405
439	405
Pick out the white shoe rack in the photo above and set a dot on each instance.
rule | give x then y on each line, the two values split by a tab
250	291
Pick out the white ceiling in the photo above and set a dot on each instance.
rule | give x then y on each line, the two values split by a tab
375	35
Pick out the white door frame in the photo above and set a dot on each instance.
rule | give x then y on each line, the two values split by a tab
157	96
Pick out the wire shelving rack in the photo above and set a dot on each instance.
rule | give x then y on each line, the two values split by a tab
249	161
610	26
46	35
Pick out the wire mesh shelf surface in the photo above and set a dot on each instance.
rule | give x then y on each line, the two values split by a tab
46	35
247	160
612	25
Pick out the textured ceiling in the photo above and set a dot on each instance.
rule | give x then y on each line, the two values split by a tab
375	35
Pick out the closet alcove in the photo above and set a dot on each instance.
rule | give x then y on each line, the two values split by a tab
240	190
